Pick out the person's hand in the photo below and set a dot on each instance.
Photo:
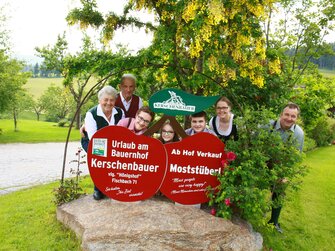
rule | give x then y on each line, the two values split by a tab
82	130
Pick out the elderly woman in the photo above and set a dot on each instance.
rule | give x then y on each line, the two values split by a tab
104	114
222	124
140	123
167	134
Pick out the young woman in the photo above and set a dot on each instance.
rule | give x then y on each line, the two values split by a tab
222	124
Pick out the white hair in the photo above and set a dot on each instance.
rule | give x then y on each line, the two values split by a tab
107	90
129	76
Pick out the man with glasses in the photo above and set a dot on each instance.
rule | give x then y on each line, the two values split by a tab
141	122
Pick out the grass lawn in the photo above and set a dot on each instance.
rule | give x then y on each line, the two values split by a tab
327	73
37	86
28	220
32	131
308	218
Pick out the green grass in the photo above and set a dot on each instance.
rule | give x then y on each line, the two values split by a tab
32	131
327	73
308	217
36	86
28	220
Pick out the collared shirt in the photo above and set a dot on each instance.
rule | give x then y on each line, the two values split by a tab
90	123
297	131
126	103
190	131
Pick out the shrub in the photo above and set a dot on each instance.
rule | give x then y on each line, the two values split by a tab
62	122
262	161
309	144
70	189
324	131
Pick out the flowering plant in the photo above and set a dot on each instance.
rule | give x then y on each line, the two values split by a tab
254	166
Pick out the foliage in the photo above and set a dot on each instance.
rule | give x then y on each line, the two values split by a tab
220	40
262	162
315	95
308	209
22	101
11	80
70	189
324	131
57	103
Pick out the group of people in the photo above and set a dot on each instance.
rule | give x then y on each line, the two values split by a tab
126	109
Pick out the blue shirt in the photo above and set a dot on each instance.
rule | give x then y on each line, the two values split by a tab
298	133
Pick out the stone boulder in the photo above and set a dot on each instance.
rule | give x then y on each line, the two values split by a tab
154	224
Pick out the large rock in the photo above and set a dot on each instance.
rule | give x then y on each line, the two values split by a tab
154	224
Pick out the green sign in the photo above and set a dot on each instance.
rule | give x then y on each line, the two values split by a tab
176	102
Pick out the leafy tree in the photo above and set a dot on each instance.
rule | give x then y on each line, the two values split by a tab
38	107
57	103
78	70
222	41
22	101
11	80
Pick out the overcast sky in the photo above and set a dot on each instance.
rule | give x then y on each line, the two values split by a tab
37	23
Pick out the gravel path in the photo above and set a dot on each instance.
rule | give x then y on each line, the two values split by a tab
25	165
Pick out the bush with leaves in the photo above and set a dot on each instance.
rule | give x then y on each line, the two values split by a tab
262	161
324	131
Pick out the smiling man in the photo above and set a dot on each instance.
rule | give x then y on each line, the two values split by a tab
126	99
287	127
198	124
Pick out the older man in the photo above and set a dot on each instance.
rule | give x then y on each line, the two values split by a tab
126	99
287	127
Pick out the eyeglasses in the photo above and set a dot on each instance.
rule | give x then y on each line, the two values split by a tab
141	119
222	108
167	132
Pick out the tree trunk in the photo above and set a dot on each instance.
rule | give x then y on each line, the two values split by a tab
15	120
78	117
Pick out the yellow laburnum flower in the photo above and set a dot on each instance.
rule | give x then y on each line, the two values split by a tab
190	11
258	81
274	66
231	74
236	54
256	9
213	63
206	33
243	40
216	12
260	49
195	48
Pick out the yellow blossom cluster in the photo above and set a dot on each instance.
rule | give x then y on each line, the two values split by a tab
190	11
274	66
217	12
161	76
196	48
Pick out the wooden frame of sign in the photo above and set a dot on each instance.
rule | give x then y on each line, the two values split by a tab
174	124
